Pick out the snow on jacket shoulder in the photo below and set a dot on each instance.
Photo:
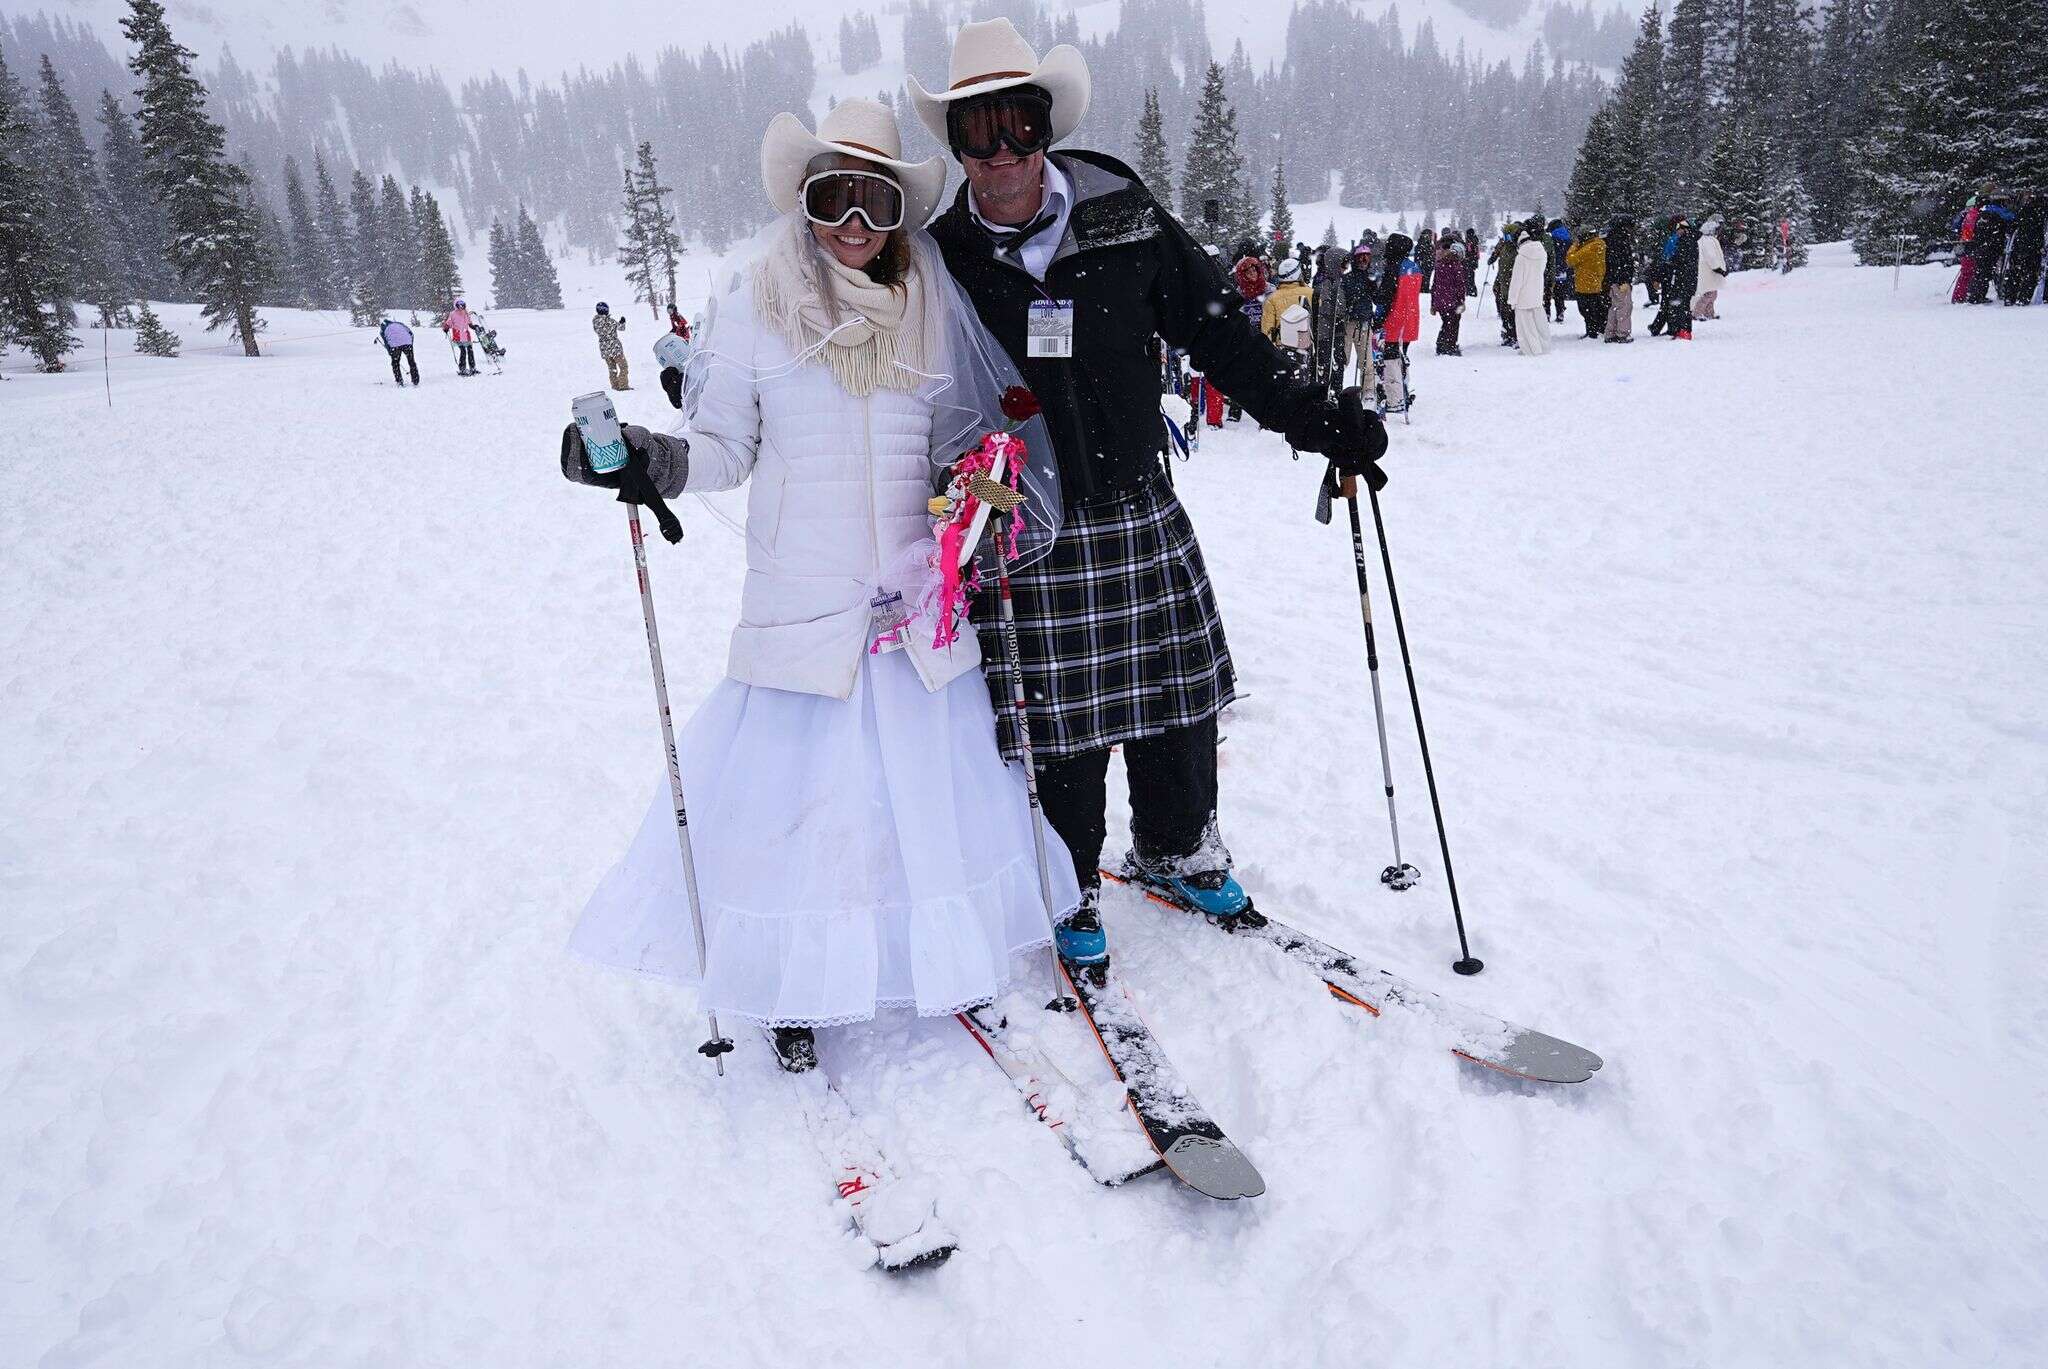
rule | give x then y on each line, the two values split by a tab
1525	287
1713	263
839	488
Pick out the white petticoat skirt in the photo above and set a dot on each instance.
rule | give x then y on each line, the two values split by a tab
850	855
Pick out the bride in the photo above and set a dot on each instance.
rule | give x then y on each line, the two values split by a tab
860	843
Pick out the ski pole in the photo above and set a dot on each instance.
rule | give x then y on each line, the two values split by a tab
1467	963
1061	1002
718	1045
1400	875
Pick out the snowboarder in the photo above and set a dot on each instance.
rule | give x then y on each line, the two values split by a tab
862	843
397	341
1122	641
1397	313
1447	301
1620	276
461	333
1327	304
1472	262
1683	265
1987	246
1587	260
1527	283
609	347
1713	270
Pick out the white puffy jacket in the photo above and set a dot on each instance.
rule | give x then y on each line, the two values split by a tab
1713	263
840	488
1525	286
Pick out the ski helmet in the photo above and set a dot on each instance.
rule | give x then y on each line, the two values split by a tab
603	308
460	305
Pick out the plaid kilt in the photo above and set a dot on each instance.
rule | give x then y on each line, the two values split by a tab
1117	629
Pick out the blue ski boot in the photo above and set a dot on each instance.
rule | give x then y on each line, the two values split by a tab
1080	940
1212	893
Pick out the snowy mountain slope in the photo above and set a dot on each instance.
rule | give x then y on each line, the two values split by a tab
464	38
326	705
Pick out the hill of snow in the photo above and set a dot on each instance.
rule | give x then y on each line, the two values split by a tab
326	705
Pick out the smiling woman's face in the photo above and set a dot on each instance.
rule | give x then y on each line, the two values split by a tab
852	244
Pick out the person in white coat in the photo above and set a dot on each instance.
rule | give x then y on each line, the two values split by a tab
1525	292
859	841
1713	270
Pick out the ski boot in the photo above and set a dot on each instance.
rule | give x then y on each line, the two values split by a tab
1080	940
796	1049
1212	893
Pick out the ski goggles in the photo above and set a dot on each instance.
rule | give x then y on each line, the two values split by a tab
1019	119
830	198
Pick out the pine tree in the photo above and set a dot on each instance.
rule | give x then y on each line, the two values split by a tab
31	273
1212	189
215	243
309	285
1155	169
151	337
134	219
666	247
636	253
337	269
369	275
1840	114
537	269
1686	112
1283	214
92	266
506	291
1592	195
401	244
1329	234
440	278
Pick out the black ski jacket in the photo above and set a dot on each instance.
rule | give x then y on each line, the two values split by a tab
1621	252
1132	272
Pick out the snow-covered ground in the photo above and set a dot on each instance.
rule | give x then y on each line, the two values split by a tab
324	704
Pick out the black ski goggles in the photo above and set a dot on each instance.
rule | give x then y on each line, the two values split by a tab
830	198
1019	118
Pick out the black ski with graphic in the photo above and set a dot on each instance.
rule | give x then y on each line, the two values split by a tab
1189	1142
1471	1035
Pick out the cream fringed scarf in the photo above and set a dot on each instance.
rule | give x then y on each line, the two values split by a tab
876	333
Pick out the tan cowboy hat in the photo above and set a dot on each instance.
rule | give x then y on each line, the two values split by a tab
992	56
856	128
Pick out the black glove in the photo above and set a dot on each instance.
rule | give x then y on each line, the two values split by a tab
634	484
672	385
1352	436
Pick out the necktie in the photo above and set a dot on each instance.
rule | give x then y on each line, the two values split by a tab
1010	243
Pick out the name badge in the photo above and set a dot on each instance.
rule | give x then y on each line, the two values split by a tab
886	620
1050	330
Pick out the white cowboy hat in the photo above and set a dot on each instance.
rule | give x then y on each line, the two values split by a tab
855	128
992	56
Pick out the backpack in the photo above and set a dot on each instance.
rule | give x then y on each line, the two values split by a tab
1294	327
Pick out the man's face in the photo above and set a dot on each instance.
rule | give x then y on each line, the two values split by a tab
1008	189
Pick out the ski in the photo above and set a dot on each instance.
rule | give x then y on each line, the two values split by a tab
1055	1101
892	1214
1471	1035
1191	1146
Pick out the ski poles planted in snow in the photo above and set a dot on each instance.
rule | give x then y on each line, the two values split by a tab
1399	875
1466	963
606	447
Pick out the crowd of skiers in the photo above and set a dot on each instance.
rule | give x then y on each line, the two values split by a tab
1999	244
466	333
1332	309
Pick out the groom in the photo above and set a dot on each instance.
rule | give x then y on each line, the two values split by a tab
1075	268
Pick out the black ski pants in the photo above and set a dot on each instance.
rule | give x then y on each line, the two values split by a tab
406	352
465	358
1173	797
